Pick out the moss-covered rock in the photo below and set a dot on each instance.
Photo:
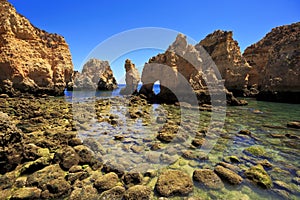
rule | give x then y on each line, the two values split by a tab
259	176
255	150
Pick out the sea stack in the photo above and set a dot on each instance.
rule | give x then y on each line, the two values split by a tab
275	61
31	60
96	75
132	78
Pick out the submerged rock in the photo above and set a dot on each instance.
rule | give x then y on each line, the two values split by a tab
295	124
259	176
31	60
208	178
173	182
228	175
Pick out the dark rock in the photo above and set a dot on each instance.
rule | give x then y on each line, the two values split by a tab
208	178
295	124
132	178
66	157
173	182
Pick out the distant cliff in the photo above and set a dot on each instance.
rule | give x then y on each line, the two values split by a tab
31	60
275	62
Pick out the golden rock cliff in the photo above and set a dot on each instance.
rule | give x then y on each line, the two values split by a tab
275	62
31	60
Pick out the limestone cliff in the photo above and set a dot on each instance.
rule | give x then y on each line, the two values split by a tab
183	72
132	78
31	60
96	75
226	54
276	64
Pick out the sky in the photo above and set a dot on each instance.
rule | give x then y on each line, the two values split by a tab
86	24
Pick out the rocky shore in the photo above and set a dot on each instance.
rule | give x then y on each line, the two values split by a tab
45	156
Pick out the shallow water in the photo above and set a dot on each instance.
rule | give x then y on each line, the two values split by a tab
266	121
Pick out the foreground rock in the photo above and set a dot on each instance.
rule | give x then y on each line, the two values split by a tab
259	176
275	62
96	75
226	54
228	175
31	60
132	78
208	178
174	182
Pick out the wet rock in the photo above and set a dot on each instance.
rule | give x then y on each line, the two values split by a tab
284	186
137	148
72	177
245	132
228	175
229	166
295	124
197	142
189	154
138	192
84	153
58	188
42	177
132	178
255	150
259	176
296	180
66	157
208	178
173	182
115	193
26	193
161	120
232	159
86	192
107	181
264	163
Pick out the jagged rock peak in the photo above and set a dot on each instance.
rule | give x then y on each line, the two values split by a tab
96	75
31	60
226	54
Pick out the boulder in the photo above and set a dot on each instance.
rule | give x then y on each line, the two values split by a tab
259	176
31	60
208	178
138	192
173	182
228	175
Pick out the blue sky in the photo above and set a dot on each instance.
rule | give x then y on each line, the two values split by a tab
87	23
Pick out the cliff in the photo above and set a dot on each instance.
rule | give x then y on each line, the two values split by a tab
226	54
276	64
31	60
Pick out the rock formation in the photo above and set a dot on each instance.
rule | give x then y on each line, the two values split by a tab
132	78
183	72
96	75
275	60
226	54
31	60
